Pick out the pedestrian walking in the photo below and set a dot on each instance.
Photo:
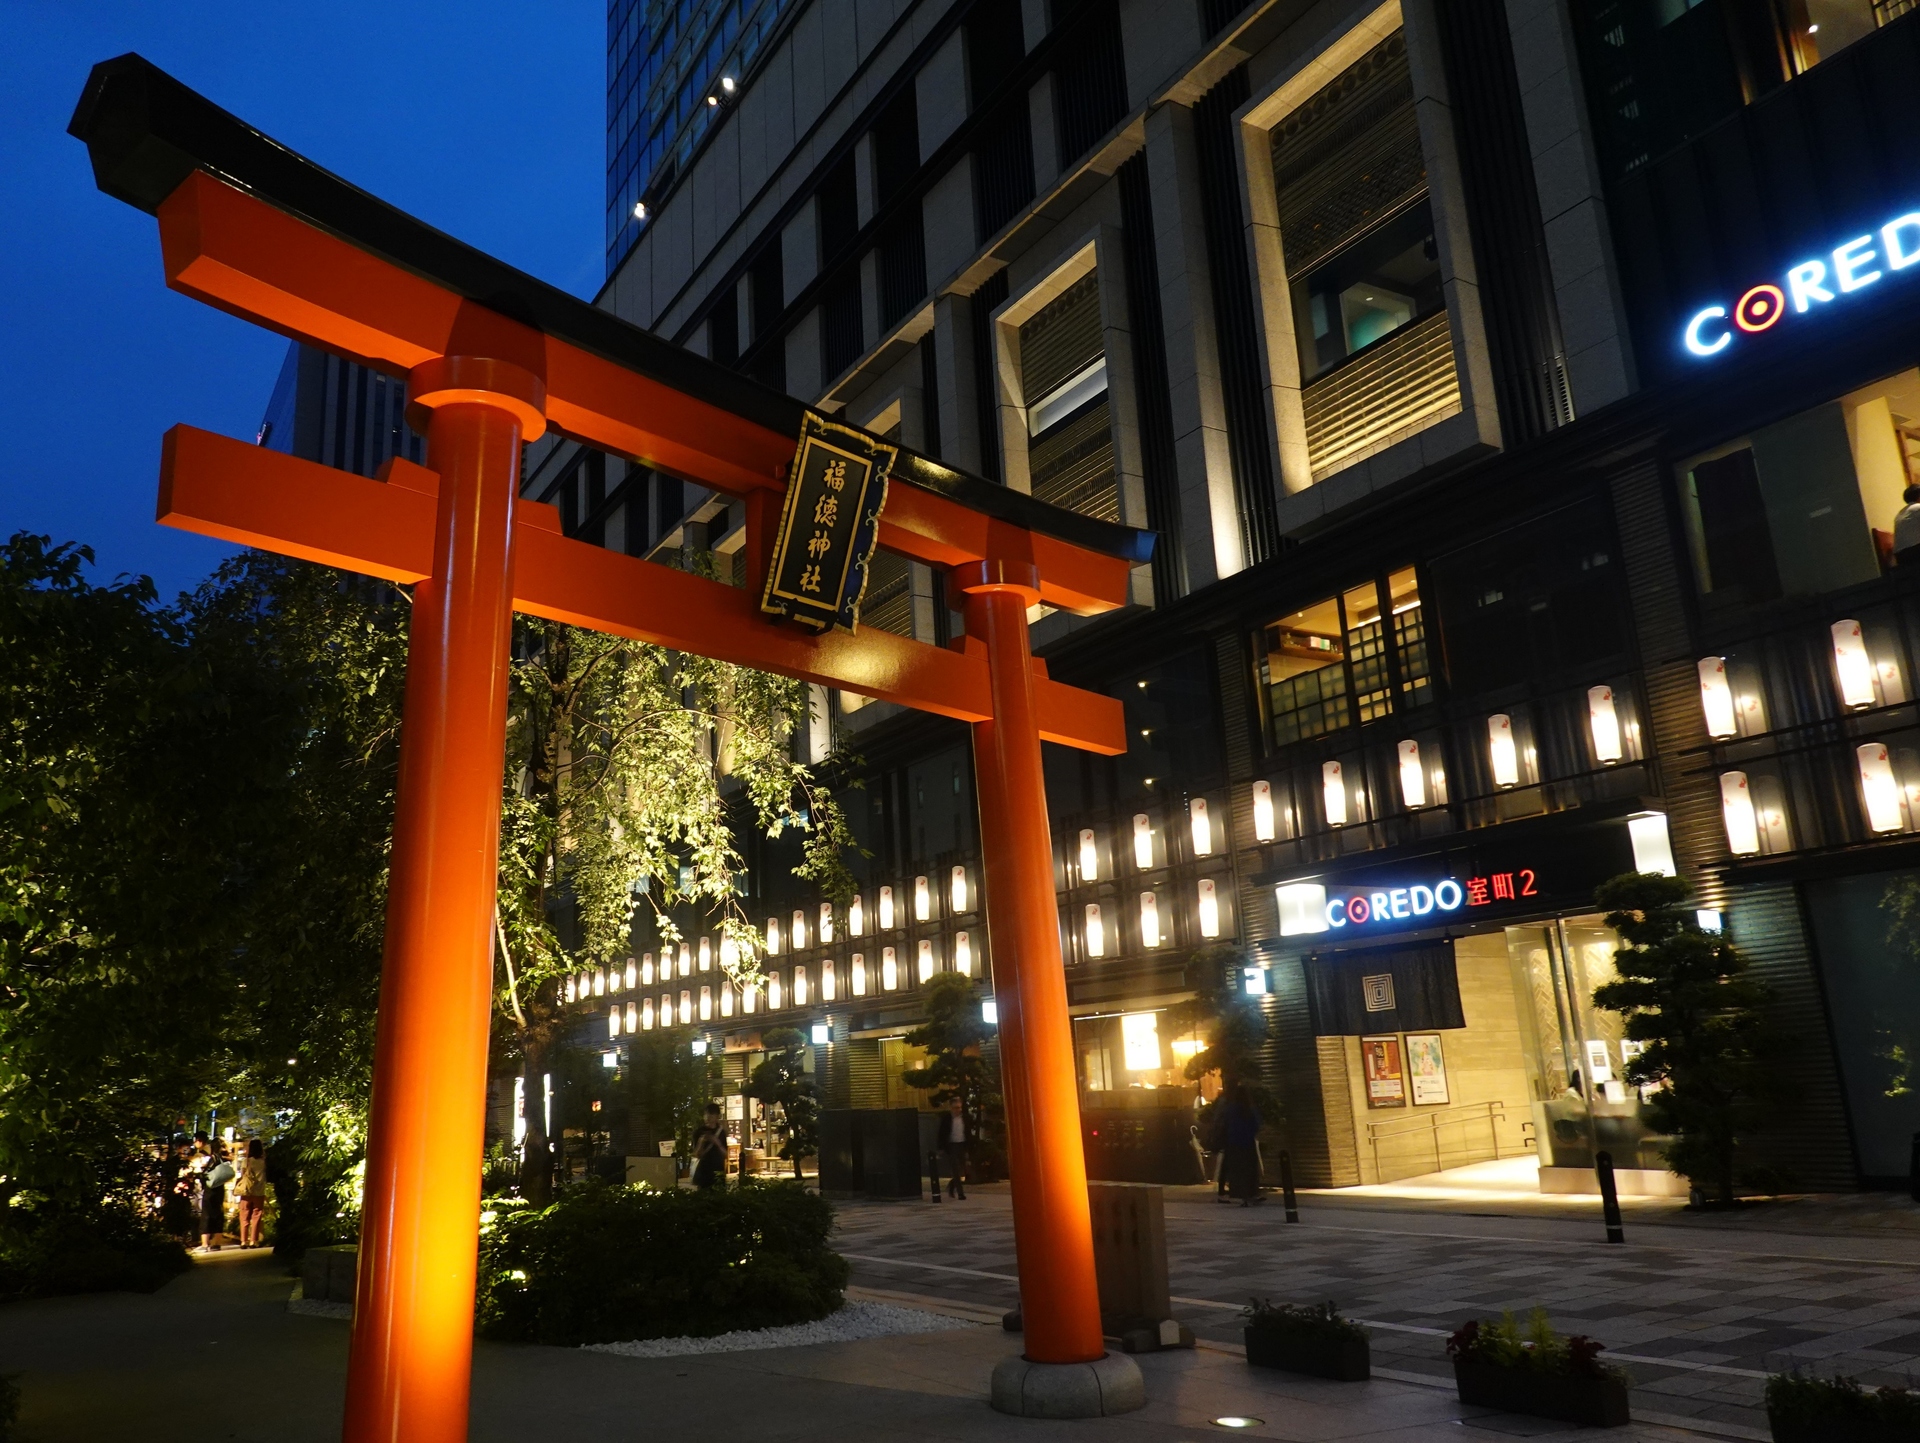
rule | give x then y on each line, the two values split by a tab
710	1150
1240	1127
956	1132
252	1187
213	1198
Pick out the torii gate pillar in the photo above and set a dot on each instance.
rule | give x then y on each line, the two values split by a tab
411	1359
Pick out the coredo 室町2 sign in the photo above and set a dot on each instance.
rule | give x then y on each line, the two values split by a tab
1310	908
1853	266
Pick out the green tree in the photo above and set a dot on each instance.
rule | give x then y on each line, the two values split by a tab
955	1036
1688	999
1897	1027
667	1090
628	770
1230	1024
781	1081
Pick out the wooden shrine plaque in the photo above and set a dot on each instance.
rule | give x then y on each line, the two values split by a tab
823	549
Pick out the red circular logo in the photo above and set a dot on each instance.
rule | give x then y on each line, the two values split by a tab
1759	308
1357	909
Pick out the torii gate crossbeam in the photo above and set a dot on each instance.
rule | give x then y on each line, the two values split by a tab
493	358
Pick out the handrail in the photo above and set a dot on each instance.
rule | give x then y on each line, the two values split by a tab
1493	1113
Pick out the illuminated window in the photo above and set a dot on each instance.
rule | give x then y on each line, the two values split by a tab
1140	1041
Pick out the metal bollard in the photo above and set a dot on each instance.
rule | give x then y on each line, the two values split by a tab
933	1172
1609	1197
1287	1198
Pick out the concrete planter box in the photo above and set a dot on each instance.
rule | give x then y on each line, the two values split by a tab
1321	1355
1571	1398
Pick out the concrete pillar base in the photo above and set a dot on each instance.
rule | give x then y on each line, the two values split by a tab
1099	1389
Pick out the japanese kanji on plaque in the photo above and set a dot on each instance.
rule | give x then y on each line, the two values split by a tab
823	549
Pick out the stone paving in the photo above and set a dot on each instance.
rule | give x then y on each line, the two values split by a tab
1697	1315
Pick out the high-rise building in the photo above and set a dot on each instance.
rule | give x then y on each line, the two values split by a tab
338	413
1524	395
673	68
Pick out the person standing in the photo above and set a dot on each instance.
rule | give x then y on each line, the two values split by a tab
710	1150
213	1198
252	1187
1240	1166
176	1193
956	1131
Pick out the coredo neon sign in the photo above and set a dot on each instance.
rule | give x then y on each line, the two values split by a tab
1306	909
1845	271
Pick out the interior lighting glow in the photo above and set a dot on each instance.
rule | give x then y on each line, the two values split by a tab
925	960
1209	909
571	990
686	1008
1413	781
1333	794
1716	697
750	999
829	982
990	1012
1263	811
957	891
826	923
1253	981
1877	784
726	999
922	900
686	960
699	1046
1303	908
859	979
1709	920
1500	753
599	983
1652	849
1140	1041
1142	841
646	1015
963	953
822	1034
706	955
729	956
1202	827
797	932
1604	722
776	992
613	1022
1852	665
889	970
1096	932
886	909
706	1004
799	987
1089	856
615	978
1236	1420
666	1009
1736	811
633	973
856	917
1149	920
773	937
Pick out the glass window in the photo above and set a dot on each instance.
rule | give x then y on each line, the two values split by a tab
1342	660
1383	282
1306	683
1810	503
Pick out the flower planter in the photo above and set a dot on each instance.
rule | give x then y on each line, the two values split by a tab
1570	1397
1344	1358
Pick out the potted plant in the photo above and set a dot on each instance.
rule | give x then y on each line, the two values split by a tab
1315	1340
1805	1409
1538	1371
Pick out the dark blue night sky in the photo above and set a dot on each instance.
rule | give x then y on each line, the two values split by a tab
484	119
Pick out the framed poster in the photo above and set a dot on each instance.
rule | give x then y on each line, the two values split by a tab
1386	1077
1427	1069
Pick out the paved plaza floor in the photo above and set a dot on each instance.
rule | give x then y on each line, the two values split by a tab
1699	1312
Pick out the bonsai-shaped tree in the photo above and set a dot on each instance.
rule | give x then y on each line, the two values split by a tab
955	1037
1230	1024
782	1081
1688	999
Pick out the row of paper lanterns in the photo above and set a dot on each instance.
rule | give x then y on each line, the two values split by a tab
718	1000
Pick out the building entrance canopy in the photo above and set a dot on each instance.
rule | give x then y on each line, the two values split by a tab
492	359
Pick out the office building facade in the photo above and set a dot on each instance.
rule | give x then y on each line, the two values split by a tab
1523	393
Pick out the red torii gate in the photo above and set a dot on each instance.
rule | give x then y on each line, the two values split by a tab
492	358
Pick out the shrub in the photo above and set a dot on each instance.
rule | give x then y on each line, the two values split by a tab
1538	1349
607	1263
47	1250
1321	1321
1803	1405
9	1407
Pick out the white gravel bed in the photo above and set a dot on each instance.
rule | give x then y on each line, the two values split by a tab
854	1321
